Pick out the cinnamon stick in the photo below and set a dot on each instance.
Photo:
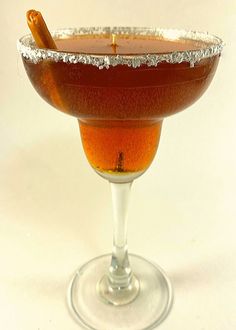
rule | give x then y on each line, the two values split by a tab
43	39
39	30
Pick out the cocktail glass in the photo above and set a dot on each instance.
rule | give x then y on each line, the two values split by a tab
120	102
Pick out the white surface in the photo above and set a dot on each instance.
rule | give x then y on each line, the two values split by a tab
55	213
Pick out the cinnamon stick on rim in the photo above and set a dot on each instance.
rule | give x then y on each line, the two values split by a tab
39	30
43	39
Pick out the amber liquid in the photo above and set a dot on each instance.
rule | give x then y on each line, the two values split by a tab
120	110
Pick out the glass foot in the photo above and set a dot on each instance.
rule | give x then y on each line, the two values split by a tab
146	311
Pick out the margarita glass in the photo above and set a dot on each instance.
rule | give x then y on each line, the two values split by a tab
120	95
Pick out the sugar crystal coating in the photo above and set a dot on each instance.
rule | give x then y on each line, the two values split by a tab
214	46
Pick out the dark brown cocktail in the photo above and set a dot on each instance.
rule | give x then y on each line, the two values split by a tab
120	110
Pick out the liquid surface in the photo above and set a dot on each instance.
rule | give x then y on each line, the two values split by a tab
120	110
125	45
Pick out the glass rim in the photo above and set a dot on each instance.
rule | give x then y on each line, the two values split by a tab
213	46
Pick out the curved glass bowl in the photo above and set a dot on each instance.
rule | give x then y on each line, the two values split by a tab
122	95
120	102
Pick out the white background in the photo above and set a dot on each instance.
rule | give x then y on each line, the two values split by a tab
55	212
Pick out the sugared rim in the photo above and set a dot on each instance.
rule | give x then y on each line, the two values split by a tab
214	46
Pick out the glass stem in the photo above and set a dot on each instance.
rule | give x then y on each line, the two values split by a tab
120	274
119	286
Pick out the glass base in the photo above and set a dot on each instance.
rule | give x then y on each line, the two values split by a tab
146	311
